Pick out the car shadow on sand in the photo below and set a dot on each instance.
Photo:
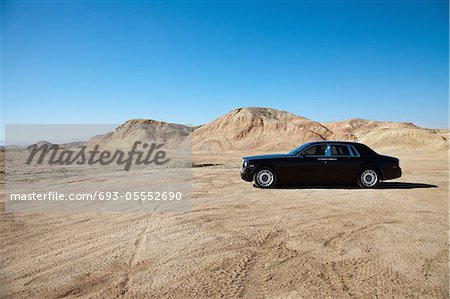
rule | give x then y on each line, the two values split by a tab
382	185
402	185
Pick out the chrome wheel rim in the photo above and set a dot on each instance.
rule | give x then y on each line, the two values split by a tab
369	178
265	178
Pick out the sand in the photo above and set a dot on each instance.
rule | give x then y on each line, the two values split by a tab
240	241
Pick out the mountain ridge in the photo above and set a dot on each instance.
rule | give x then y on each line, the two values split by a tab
260	128
269	129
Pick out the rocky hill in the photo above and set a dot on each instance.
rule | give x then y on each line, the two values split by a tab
271	129
247	129
144	130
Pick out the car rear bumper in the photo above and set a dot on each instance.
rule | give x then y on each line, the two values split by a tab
391	173
246	174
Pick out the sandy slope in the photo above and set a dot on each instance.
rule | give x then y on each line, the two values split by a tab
243	241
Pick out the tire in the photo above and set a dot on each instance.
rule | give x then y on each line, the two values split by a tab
368	178
265	178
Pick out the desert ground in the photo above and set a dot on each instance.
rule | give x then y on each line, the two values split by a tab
240	241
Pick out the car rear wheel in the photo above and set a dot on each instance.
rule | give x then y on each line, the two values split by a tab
265	178
368	178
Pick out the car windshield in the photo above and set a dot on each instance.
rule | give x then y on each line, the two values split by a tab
298	149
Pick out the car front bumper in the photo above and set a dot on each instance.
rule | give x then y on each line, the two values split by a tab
247	174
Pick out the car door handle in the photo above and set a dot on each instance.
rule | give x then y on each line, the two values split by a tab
326	159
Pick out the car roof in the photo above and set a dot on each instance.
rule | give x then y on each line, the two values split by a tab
333	141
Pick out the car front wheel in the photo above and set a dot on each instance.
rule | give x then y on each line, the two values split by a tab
368	178
265	178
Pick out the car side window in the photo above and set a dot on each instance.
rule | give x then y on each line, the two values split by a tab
339	150
316	150
353	151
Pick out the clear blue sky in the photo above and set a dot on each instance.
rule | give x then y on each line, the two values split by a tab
189	62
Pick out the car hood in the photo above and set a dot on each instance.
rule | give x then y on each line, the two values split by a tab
271	156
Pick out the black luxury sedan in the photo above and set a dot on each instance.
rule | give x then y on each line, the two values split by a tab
321	162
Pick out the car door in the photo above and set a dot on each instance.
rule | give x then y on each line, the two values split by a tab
342	165
309	165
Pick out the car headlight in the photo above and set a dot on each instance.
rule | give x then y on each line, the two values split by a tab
244	163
